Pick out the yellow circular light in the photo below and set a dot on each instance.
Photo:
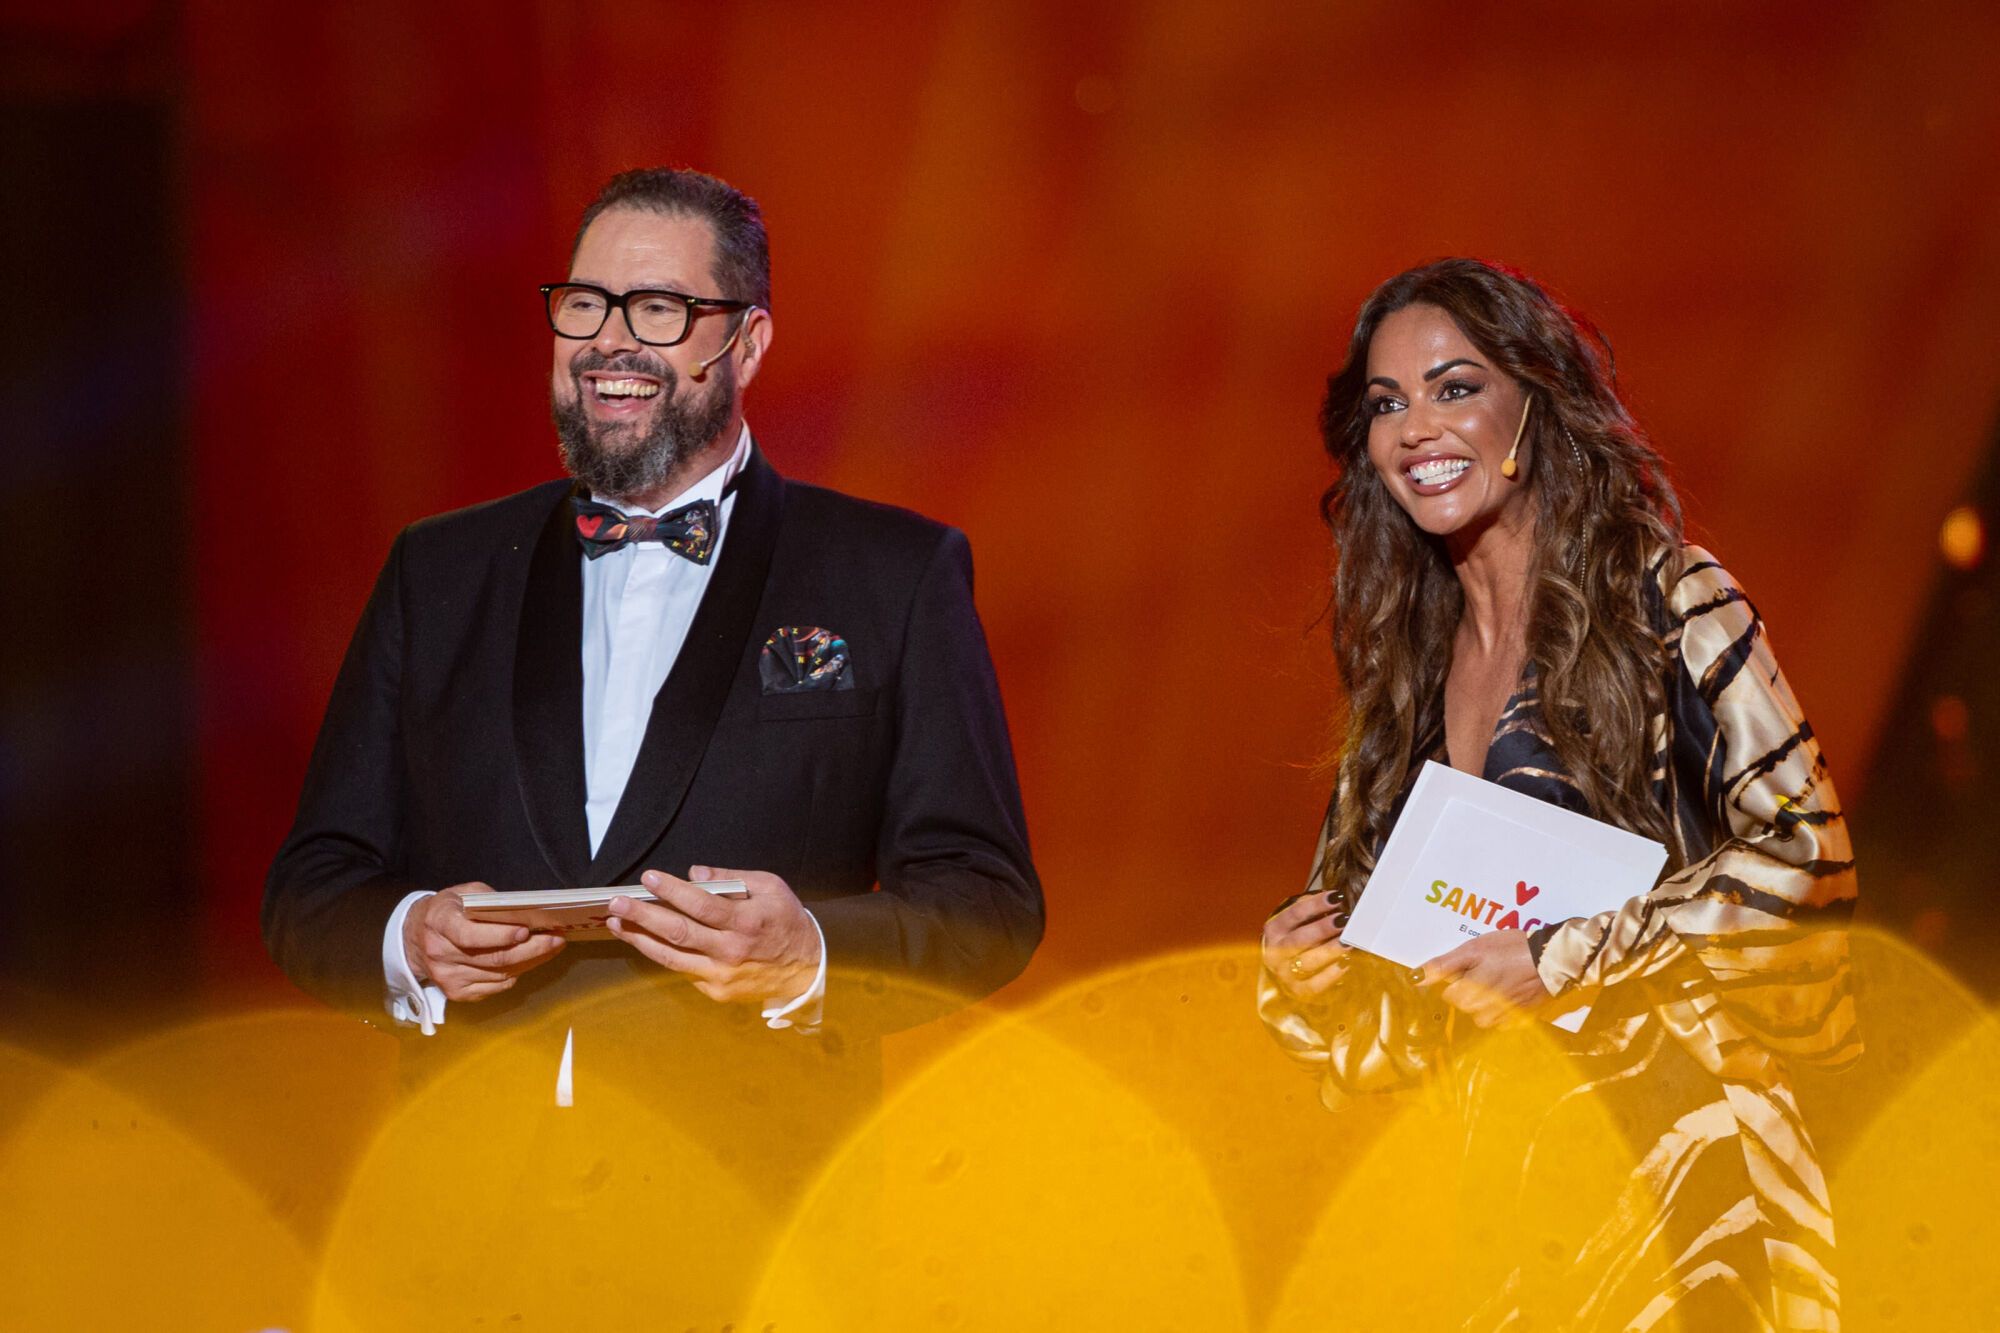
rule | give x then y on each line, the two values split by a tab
1962	538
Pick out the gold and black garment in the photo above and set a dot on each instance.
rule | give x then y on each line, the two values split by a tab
1704	990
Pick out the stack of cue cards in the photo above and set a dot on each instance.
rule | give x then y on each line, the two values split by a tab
578	914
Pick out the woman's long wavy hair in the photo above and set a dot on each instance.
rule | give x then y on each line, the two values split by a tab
1604	513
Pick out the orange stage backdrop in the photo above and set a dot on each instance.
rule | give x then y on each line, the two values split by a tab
1070	276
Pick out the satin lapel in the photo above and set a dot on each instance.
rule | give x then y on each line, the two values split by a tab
548	699
687	706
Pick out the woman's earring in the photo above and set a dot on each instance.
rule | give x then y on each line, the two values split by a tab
1579	563
1508	467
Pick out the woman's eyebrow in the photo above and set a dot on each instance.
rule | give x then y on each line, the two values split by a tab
1436	371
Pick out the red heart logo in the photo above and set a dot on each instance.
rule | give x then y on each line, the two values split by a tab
589	526
1523	891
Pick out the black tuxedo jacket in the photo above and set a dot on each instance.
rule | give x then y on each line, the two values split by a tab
452	751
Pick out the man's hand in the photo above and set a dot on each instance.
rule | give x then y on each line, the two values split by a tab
762	948
1491	978
468	959
1302	947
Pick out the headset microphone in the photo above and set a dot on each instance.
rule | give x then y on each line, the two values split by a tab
701	367
1508	466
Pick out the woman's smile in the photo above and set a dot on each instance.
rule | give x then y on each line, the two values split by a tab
1434	474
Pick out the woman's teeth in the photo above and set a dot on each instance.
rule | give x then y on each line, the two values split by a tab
1439	470
626	388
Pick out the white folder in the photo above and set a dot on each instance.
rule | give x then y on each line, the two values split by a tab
1468	856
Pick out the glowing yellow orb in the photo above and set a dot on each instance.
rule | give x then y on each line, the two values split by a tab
1962	538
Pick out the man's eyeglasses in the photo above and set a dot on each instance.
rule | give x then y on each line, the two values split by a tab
656	318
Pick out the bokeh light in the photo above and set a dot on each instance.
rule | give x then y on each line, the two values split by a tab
1962	538
1015	1184
1132	1151
481	1203
115	1217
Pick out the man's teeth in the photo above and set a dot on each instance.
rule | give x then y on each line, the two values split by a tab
1441	469
626	388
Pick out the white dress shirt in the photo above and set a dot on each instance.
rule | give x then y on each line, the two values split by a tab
638	604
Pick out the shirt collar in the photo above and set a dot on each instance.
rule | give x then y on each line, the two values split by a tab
710	487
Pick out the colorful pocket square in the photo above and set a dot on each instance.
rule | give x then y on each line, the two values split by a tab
798	658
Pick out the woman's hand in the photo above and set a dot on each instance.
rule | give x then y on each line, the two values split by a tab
1302	947
1490	978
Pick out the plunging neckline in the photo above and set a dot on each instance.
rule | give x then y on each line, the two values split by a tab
1524	691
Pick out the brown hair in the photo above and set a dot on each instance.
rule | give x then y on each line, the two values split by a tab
742	250
1604	514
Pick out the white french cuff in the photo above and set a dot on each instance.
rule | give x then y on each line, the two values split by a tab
410	1002
804	1012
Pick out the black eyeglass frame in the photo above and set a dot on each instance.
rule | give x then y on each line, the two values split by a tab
612	302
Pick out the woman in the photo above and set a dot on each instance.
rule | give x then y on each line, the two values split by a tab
1513	597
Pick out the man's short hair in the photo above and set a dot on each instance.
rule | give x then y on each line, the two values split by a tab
742	252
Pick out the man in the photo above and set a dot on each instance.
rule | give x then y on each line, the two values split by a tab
676	667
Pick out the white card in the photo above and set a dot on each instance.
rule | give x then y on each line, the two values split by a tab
1468	856
579	914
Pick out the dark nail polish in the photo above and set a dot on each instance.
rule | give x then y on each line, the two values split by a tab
1339	920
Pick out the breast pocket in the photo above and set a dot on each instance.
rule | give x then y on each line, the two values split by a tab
808	704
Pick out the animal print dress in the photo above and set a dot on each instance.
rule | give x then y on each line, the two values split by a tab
1703	991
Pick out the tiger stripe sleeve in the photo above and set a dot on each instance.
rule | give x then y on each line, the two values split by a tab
1765	912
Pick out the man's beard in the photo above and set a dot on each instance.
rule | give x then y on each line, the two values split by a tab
610	459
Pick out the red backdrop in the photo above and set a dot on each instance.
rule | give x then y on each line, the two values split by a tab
1070	277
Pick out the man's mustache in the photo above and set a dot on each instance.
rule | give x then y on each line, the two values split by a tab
591	359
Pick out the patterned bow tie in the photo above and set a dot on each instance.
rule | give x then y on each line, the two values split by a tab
689	532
